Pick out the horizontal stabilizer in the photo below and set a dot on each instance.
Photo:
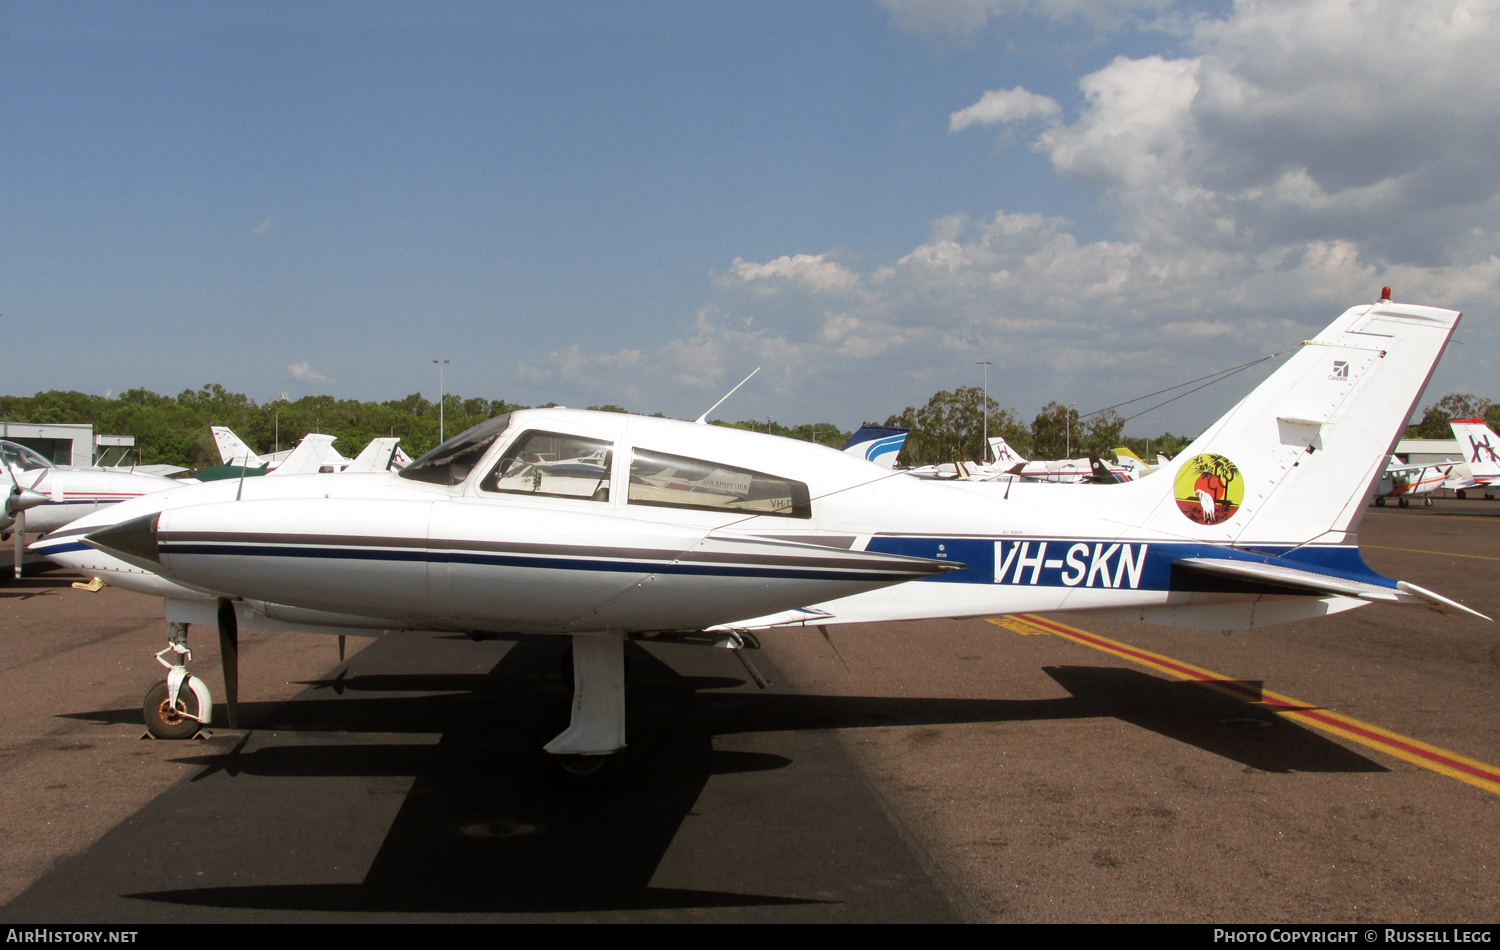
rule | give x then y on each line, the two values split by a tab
1279	574
1316	583
1437	599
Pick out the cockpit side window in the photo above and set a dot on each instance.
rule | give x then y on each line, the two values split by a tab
17	456
451	462
673	481
553	464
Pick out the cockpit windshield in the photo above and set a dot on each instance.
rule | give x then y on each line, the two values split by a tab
451	462
19	457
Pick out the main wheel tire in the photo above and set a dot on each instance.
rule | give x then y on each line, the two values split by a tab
1404	502
1462	494
1380	502
167	722
1427	502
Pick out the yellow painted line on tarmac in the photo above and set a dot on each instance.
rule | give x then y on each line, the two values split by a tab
1476	773
1381	547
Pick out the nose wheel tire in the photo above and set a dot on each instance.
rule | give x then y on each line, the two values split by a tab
576	771
584	771
163	720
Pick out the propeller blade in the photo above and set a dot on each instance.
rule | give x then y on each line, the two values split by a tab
19	537
229	651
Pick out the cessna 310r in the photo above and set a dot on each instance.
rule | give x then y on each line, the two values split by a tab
604	527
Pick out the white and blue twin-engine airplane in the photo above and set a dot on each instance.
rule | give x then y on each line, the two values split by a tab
605	527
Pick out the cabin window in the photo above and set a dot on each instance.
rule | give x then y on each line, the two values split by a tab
451	462
675	482
555	465
15	455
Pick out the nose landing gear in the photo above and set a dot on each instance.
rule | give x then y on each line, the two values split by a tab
181	706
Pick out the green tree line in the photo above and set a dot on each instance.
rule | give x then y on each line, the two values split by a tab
174	430
951	427
1435	418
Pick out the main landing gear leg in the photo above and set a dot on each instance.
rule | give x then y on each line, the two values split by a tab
179	707
591	749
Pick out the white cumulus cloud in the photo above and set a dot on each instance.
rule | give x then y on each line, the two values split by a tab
1297	120
814	272
1003	105
304	372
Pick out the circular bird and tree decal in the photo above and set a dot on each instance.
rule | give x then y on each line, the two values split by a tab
1209	489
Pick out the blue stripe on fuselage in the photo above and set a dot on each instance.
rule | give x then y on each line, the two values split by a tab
559	563
1135	565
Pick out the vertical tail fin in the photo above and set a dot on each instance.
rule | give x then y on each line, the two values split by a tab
232	449
1295	462
315	453
1479	445
1002	453
376	456
878	444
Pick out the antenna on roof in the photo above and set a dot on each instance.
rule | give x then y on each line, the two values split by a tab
703	419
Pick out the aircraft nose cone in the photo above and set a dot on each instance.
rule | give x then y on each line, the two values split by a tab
136	538
21	499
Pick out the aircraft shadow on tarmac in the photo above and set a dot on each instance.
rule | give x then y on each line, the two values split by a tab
482	830
28	587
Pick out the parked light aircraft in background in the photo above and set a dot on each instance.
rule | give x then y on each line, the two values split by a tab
70	492
1003	458
876	443
234	451
44	496
1402	481
1481	466
313	453
1135	465
1254	524
1008	464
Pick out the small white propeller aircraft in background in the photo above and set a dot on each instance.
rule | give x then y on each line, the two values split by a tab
45	496
1404	482
604	527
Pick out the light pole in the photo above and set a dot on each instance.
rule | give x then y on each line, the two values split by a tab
985	449
1068	421
442	397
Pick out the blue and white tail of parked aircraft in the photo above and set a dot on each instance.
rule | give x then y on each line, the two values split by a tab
878	444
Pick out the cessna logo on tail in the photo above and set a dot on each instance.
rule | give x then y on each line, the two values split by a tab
1340	369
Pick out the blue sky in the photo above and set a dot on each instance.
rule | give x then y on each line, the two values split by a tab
640	203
